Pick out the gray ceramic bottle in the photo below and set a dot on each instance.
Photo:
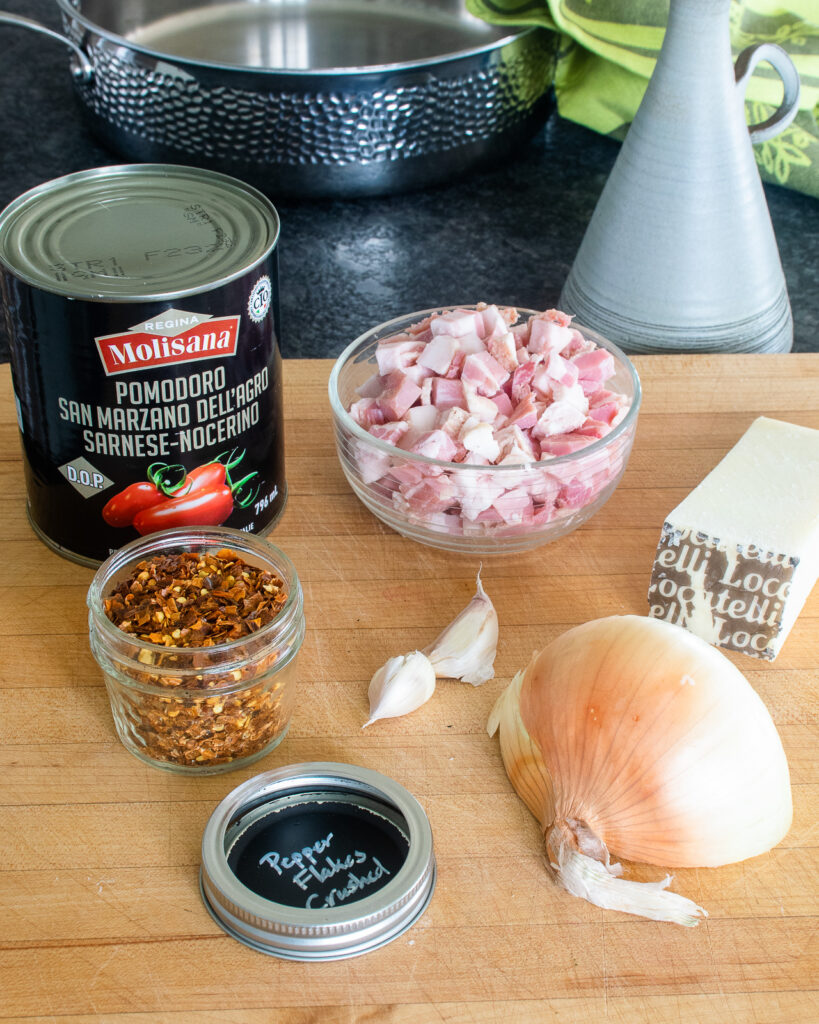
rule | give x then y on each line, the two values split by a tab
680	253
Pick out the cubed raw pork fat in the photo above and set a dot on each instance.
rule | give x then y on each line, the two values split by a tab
593	429
514	506
575	494
457	322
525	414
471	344
478	437
367	411
542	383
513	438
522	380
564	444
484	373
605	413
420	419
503	402
594	368
482	408
391	433
432	494
573	394
397	352
577	343
561	370
503	349
560	417
547	336
400	394
455	367
372	465
494	323
447	393
453	420
476	492
435	445
437	356
418	374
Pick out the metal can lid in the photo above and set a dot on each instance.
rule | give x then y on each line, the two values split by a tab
136	232
317	861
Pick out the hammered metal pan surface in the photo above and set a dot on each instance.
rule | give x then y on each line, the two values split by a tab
312	97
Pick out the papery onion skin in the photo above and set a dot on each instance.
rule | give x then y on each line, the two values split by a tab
656	744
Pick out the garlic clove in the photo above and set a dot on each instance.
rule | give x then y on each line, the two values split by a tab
466	648
402	685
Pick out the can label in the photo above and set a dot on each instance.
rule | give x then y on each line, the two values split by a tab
136	417
192	336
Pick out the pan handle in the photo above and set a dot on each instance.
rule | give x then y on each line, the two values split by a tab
81	67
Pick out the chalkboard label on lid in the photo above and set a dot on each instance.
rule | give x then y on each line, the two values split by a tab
318	850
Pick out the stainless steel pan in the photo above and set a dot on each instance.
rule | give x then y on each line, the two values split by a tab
306	97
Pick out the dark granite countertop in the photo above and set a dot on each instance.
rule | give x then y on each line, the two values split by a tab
507	235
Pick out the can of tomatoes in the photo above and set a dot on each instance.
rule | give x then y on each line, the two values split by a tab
142	311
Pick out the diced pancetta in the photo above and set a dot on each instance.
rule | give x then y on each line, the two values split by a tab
494	323
432	494
446	394
476	492
522	380
560	417
525	414
436	444
396	353
478	437
477	405
503	402
417	373
484	373
453	420
577	343
514	506
561	370
473	389
367	411
594	368
437	356
502	348
545	335
391	433
399	395
457	322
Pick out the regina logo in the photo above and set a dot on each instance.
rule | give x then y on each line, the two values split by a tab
171	337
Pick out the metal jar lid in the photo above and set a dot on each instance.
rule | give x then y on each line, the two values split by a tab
136	232
317	861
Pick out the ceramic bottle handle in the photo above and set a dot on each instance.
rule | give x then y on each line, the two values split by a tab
784	67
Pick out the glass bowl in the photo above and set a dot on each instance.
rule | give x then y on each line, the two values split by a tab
565	490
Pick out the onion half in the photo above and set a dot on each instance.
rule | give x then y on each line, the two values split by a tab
631	737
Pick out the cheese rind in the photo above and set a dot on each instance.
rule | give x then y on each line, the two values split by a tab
738	557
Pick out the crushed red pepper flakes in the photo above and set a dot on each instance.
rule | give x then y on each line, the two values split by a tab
189	599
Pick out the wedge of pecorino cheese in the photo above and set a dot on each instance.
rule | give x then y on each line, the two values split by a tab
738	557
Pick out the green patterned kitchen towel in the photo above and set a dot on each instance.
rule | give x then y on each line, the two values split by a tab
608	49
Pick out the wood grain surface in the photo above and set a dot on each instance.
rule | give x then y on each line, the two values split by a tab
100	914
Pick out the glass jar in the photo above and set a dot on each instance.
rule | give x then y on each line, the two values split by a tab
199	710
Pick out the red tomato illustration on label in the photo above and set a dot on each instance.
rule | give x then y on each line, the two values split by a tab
204	496
123	507
208	507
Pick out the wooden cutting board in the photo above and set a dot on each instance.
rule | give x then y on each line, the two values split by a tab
99	854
